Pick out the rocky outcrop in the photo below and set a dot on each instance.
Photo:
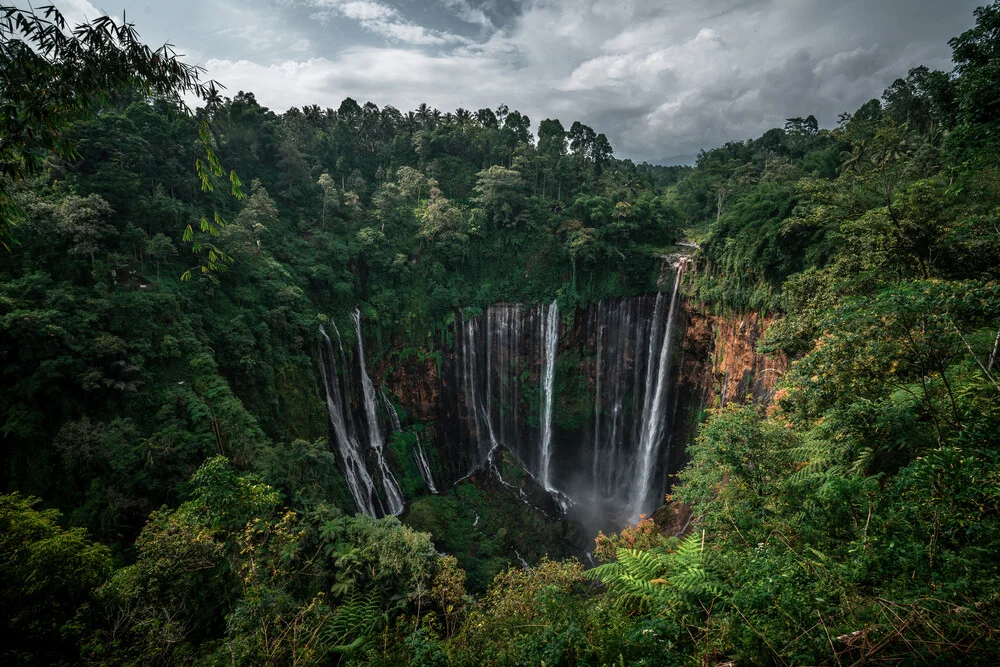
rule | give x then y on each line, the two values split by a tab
720	357
719	364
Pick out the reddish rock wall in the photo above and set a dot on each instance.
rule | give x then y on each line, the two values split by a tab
719	364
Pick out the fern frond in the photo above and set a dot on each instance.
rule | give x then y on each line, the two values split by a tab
606	573
352	622
644	565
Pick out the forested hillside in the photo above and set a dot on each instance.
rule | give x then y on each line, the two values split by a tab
408	217
171	491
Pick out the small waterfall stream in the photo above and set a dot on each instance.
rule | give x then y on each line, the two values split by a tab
345	436
394	497
551	338
423	466
391	410
653	420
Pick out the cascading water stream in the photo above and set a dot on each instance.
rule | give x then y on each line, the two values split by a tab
475	407
653	418
424	466
394	496
551	338
651	371
352	460
595	474
393	415
620	338
505	331
419	453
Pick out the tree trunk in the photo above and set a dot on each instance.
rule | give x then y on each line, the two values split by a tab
993	354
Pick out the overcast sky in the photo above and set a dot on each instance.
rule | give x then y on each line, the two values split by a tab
660	77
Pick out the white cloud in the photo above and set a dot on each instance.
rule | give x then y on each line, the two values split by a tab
382	20
366	11
466	12
395	76
266	38
410	33
78	11
660	77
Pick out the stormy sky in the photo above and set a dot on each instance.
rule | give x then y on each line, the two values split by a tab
661	78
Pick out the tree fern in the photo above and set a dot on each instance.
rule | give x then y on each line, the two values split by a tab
656	579
352	622
826	450
816	454
645	565
690	577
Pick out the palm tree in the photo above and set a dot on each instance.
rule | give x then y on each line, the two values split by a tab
424	113
313	114
850	161
214	99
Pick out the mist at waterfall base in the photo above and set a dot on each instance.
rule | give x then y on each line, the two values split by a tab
583	403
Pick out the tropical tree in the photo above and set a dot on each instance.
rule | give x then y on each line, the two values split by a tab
47	574
160	248
499	196
54	76
976	53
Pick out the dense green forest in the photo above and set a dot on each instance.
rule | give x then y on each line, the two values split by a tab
170	494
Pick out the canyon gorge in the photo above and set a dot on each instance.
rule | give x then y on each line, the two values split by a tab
595	405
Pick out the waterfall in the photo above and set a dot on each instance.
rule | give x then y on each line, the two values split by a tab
651	368
653	418
619	340
394	496
423	466
504	349
419	453
506	365
475	411
491	391
393	415
605	462
599	334
551	339
352	461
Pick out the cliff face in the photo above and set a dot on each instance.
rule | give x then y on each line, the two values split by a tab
718	365
741	374
715	363
619	366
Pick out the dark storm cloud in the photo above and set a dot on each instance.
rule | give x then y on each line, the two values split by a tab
659	77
